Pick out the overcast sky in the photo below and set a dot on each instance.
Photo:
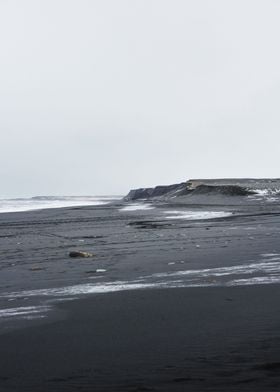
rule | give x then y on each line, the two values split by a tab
100	96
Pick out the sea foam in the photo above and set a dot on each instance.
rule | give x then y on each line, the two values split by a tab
266	270
196	215
137	207
46	202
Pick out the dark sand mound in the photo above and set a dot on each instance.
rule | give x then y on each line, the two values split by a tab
227	190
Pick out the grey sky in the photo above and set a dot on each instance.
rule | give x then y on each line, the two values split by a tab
99	96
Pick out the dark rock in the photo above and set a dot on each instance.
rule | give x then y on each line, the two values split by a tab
149	225
141	193
80	254
158	191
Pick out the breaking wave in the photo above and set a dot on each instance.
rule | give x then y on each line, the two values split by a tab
45	202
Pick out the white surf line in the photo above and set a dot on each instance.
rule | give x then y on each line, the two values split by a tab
137	207
196	215
81	289
23	311
269	269
254	281
270	254
23	205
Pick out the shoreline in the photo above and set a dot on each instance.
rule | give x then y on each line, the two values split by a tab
213	338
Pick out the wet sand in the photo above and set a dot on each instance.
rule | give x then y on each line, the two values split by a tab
216	339
224	337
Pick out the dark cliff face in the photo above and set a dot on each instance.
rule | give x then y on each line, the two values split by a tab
158	191
227	190
191	188
141	193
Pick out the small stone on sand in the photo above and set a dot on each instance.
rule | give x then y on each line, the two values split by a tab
80	254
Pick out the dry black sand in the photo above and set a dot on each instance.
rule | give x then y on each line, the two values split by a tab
217	338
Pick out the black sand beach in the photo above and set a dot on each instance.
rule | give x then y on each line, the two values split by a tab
165	304
203	339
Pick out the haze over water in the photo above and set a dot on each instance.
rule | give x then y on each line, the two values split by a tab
44	202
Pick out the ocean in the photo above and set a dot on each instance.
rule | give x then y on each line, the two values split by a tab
44	202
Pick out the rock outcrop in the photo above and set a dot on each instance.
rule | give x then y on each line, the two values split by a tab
223	187
80	254
158	191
